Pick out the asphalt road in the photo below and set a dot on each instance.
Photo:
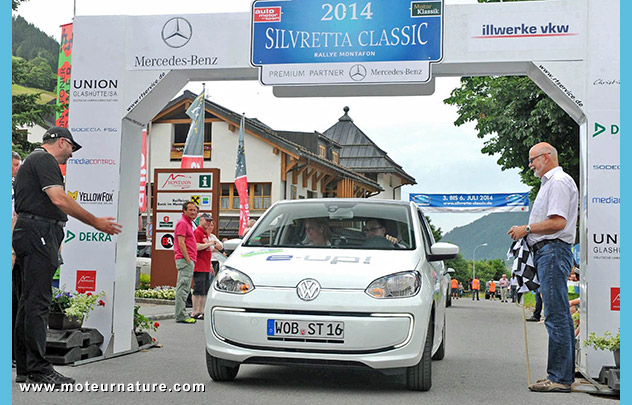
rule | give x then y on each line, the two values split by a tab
484	364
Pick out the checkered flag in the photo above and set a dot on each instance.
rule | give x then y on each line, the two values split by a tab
523	267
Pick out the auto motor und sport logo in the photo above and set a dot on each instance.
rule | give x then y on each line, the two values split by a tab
177	32
98	198
267	14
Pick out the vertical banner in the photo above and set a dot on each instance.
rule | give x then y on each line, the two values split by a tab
241	180
63	79
142	197
193	153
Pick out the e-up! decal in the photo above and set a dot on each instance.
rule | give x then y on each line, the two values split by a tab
261	252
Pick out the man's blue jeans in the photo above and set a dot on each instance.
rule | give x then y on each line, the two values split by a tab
554	262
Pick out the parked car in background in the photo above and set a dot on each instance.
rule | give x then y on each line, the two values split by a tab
449	273
143	257
317	283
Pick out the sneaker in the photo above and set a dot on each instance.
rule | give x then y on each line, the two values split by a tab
52	377
533	319
187	320
20	378
547	385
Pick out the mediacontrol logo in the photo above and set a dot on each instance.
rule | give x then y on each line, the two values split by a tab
609	200
96	161
97	198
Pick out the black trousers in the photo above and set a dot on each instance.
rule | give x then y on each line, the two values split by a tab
36	244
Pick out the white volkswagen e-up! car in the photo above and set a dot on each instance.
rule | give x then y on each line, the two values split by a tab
346	282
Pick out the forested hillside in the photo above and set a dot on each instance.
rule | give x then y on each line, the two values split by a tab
37	52
491	229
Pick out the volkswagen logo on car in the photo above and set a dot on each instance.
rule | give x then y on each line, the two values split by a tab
308	289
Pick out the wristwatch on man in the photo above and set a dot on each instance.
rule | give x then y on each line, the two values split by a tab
528	228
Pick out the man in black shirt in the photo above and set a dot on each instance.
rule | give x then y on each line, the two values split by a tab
42	206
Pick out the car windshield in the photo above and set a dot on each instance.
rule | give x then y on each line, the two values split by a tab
333	224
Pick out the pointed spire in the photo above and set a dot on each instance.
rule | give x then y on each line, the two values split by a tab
345	117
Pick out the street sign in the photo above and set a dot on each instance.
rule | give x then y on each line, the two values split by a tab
301	42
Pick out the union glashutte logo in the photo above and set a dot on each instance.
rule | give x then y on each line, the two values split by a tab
176	32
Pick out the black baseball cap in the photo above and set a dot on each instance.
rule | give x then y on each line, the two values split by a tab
59	132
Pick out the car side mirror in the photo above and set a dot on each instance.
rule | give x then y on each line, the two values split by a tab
442	251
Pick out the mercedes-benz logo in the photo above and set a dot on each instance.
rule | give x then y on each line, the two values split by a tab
308	289
176	32
357	73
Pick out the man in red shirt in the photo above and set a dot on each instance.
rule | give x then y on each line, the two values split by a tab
185	253
206	243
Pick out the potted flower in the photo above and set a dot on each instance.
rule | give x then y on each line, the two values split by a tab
69	310
142	325
606	342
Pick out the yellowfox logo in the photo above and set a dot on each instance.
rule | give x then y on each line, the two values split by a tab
73	195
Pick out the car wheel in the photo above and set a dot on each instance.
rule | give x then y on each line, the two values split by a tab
419	376
448	301
219	371
440	353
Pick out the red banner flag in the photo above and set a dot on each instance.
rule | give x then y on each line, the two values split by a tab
142	197
241	180
63	79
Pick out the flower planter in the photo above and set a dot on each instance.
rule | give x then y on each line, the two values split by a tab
617	358
143	338
59	320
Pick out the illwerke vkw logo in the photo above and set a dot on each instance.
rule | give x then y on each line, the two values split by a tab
176	32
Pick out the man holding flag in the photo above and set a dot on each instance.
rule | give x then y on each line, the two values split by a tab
241	180
193	153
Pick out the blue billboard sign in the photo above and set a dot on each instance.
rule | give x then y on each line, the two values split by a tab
331	31
488	202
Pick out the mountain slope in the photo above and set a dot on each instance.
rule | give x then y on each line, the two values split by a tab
491	229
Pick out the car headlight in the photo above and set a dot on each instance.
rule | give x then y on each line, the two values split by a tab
398	285
233	281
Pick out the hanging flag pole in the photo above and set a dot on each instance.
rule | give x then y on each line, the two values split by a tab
193	153
241	180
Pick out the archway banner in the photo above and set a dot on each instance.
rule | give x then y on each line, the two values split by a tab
484	202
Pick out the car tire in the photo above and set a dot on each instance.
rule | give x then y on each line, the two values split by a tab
440	353
419	376
448	301
218	371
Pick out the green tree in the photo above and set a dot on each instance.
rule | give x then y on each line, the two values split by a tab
436	232
462	268
512	114
27	109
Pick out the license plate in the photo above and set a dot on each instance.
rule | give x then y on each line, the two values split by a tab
306	329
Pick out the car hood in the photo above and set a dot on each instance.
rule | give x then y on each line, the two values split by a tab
332	268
